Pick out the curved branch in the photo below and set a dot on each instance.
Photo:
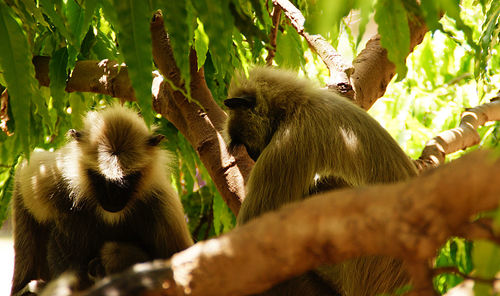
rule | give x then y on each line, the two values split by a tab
103	77
366	79
404	220
201	122
461	137
340	69
372	69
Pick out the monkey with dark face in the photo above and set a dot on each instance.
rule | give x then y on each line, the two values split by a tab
304	140
104	199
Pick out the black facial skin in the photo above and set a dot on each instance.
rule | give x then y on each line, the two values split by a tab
113	196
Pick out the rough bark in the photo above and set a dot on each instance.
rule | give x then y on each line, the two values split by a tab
200	121
372	69
408	220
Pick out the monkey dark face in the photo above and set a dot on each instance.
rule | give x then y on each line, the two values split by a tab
245	125
113	195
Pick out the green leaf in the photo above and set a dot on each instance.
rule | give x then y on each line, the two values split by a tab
180	29
19	74
489	35
200	44
428	63
134	38
217	22
77	103
289	52
57	76
6	188
365	10
35	11
430	10
224	219
486	257
52	10
104	47
391	18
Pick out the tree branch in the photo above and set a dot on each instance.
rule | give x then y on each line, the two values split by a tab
461	137
201	122
103	77
340	70
405	220
276	15
366	79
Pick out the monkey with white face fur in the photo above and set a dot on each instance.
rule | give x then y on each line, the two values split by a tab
305	140
97	205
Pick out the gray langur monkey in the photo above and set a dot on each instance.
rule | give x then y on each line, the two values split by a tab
305	140
97	205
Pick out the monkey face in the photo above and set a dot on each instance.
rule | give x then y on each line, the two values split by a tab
113	195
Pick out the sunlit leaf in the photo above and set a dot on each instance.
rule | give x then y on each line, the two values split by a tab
19	73
57	76
289	52
217	22
50	8
180	29
200	44
135	44
392	22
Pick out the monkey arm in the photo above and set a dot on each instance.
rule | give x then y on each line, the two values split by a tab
165	230
30	245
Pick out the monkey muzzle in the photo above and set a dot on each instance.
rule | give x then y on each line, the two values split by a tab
113	195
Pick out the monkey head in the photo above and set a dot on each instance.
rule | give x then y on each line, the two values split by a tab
114	147
259	104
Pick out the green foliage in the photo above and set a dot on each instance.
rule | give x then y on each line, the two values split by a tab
132	18
15	60
391	19
179	22
457	66
289	53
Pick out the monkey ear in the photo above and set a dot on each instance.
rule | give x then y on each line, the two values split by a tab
242	102
155	140
75	134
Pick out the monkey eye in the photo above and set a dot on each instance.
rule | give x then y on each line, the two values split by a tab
75	134
155	140
245	102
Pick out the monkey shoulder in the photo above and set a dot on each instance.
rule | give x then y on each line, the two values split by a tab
37	182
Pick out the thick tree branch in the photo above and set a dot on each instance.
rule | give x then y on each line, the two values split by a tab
373	70
406	220
201	122
103	77
461	137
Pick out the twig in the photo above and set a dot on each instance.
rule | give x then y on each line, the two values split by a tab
276	15
340	70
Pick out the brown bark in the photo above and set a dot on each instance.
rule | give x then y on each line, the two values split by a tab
340	69
103	77
405	220
200	121
366	79
271	52
372	69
